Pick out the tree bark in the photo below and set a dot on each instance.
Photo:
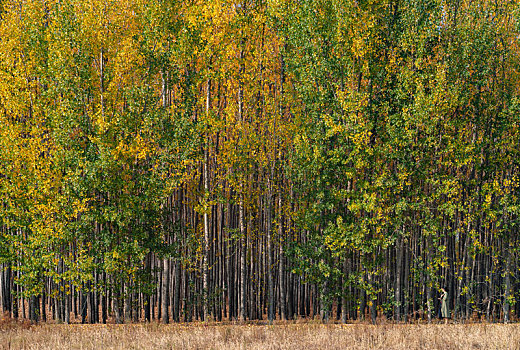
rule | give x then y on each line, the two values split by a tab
165	291
243	256
207	209
270	285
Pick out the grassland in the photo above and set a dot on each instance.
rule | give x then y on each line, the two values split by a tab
278	336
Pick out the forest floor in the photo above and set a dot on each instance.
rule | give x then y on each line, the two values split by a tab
309	335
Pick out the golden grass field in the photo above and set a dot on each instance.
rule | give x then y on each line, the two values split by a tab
279	336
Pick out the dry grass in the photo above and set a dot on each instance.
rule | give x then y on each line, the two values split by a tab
279	336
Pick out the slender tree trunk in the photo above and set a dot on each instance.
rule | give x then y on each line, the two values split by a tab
176	297
344	308
102	81
270	285
165	291
243	267
83	306
117	304
2	290
14	298
206	210
104	301
44	306
398	274
147	300
281	267
507	282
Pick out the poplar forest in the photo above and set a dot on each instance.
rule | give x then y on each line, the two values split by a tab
174	161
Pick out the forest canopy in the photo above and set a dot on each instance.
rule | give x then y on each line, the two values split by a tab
184	160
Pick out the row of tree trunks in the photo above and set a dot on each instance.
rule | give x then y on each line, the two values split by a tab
248	278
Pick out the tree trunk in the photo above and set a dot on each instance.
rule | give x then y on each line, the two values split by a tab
398	273
281	267
176	297
507	283
207	209
243	256
270	285
344	308
165	291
